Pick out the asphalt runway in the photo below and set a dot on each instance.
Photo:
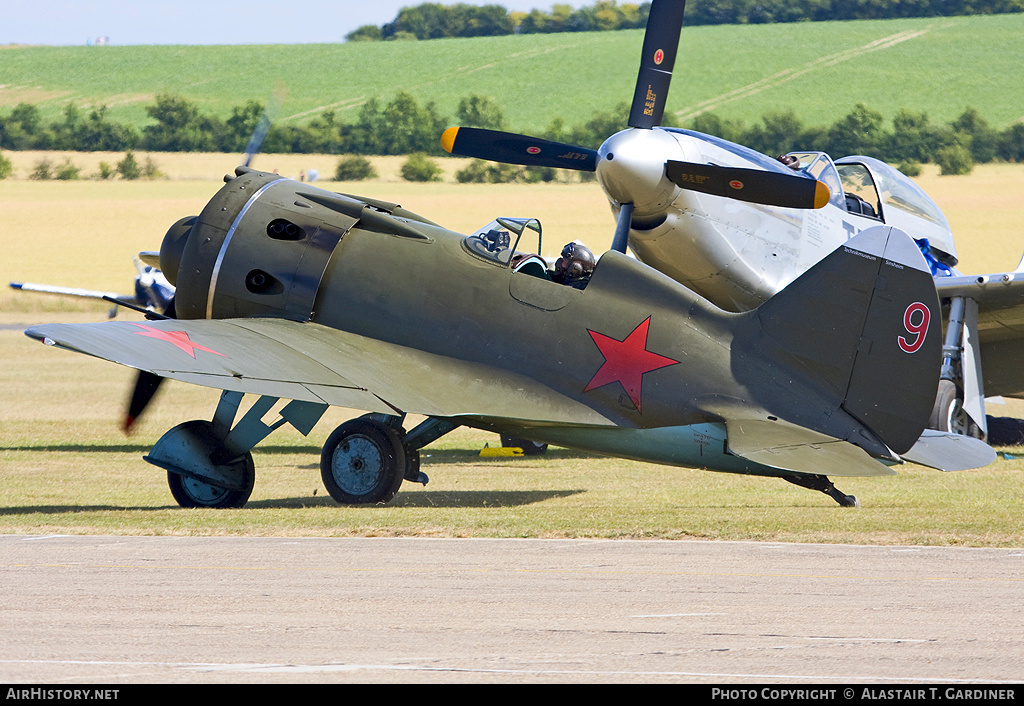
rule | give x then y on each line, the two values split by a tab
131	610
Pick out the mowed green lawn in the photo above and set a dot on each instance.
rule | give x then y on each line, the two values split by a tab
65	467
820	70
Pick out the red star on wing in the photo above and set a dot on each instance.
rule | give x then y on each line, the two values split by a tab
178	338
626	361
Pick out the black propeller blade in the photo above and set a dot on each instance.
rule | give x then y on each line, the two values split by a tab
511	148
621	238
753	185
146	385
661	42
145	388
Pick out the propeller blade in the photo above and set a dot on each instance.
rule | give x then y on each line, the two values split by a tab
511	148
146	385
661	42
264	123
753	185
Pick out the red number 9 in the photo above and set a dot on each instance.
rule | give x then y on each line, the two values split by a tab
919	330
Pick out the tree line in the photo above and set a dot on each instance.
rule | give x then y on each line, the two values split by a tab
403	126
437	21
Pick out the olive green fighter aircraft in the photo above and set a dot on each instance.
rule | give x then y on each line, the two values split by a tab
294	293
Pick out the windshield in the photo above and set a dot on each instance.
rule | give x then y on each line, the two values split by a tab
500	239
819	165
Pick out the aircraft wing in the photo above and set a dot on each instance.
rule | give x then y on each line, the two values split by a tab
315	363
69	291
1000	300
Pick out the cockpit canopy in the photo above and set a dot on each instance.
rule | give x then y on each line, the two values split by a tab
904	204
871	188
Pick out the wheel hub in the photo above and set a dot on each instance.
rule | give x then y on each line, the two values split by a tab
357	464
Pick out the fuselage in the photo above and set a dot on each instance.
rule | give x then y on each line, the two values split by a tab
738	254
636	346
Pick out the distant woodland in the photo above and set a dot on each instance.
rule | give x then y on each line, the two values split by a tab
403	126
437	21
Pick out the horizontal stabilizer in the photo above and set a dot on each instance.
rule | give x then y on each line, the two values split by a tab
792	448
950	452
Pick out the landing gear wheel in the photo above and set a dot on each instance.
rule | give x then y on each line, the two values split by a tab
530	448
363	462
190	492
187	452
948	413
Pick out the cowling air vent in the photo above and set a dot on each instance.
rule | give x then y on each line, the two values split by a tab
260	282
282	229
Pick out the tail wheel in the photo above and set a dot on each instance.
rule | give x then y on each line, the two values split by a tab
363	462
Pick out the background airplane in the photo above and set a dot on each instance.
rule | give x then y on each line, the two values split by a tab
152	291
738	226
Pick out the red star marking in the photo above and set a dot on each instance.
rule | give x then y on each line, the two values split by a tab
178	338
626	361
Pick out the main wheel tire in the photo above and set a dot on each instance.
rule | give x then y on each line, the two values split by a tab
191	492
363	462
949	415
530	448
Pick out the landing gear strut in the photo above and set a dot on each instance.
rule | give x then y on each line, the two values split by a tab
822	483
208	464
364	461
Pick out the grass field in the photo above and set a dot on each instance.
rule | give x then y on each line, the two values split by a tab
66	468
820	70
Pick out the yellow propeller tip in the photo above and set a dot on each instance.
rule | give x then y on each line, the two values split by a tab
448	139
821	195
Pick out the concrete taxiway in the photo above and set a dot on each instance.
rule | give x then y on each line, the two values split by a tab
105	610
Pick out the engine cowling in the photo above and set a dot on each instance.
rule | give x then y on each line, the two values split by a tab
259	248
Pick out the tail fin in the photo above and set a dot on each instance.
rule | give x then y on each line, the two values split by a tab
864	327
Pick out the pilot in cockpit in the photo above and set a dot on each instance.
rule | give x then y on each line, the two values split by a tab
575	266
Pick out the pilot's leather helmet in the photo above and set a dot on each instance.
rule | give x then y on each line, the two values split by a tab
576	261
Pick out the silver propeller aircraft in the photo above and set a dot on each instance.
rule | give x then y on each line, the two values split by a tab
737	226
